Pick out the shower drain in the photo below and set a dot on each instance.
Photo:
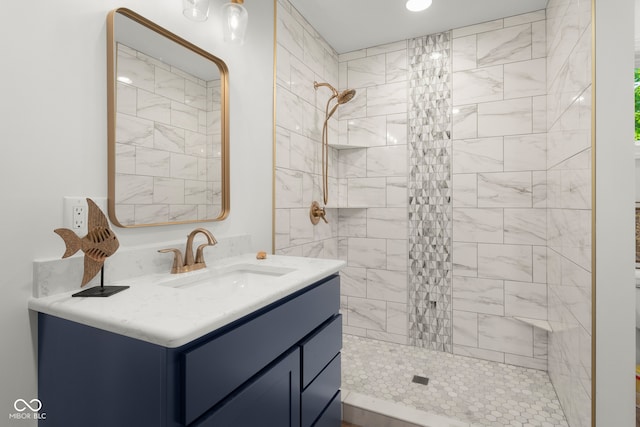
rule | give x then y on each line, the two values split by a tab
420	380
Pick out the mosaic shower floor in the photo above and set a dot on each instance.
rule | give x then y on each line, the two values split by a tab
473	391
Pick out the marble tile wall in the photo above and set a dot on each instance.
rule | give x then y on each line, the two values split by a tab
168	168
367	170
372	180
499	162
303	57
569	204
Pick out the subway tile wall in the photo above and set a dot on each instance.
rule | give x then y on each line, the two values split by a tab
499	196
168	164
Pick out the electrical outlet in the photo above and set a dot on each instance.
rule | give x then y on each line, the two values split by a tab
75	214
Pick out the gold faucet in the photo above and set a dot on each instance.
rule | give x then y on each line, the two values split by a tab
189	263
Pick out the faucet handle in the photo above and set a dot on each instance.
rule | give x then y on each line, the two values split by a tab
177	259
200	252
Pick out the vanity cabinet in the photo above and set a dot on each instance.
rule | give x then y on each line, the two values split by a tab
279	366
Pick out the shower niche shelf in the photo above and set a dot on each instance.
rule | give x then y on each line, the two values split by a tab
536	323
339	146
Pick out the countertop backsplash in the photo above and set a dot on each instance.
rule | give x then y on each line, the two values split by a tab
53	276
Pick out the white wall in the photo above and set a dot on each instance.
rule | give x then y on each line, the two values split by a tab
614	168
54	140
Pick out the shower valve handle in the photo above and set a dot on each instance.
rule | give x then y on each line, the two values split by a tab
316	212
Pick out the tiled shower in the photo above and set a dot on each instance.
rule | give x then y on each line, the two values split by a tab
459	187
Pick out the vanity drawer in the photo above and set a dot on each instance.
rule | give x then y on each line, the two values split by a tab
216	368
320	348
320	392
332	415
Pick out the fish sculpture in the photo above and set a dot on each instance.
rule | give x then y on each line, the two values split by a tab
99	243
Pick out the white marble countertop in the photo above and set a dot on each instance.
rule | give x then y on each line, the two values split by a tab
172	316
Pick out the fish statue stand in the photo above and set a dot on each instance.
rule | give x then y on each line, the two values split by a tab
99	243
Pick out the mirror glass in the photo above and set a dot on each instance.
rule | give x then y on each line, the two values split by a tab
168	126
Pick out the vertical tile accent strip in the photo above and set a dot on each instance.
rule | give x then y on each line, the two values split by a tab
430	207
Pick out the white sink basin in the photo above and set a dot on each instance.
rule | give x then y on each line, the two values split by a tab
226	279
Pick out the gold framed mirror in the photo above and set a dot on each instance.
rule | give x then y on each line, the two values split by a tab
168	126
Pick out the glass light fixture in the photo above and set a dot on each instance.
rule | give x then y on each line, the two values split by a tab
418	5
234	17
196	10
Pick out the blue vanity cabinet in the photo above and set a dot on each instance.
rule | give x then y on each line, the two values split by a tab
279	366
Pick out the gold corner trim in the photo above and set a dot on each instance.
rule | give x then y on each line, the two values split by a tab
273	154
111	116
593	213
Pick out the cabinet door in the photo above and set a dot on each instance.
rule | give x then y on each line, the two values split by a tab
271	399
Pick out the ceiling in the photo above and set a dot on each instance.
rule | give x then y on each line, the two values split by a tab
349	25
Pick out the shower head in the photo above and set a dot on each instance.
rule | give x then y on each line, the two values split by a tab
346	96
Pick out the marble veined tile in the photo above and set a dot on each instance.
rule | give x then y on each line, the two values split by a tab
504	45
478	155
367	313
169	85
465	190
367	131
387	285
154	107
536	16
525	152
133	189
168	190
288	188
478	85
366	192
478	28
505	334
478	295
290	32
389	98
397	192
396	66
465	328
464	122
195	95
509	117
525	78
397	253
365	72
505	190
134	131
525	226
184	116
508	262
125	159
478	225
366	252
127	99
153	162
195	192
139	73
464	53
397	318
386	223
465	259
168	138
525	300
183	166
390	160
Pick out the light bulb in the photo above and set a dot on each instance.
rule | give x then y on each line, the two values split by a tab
196	10
235	18
418	5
